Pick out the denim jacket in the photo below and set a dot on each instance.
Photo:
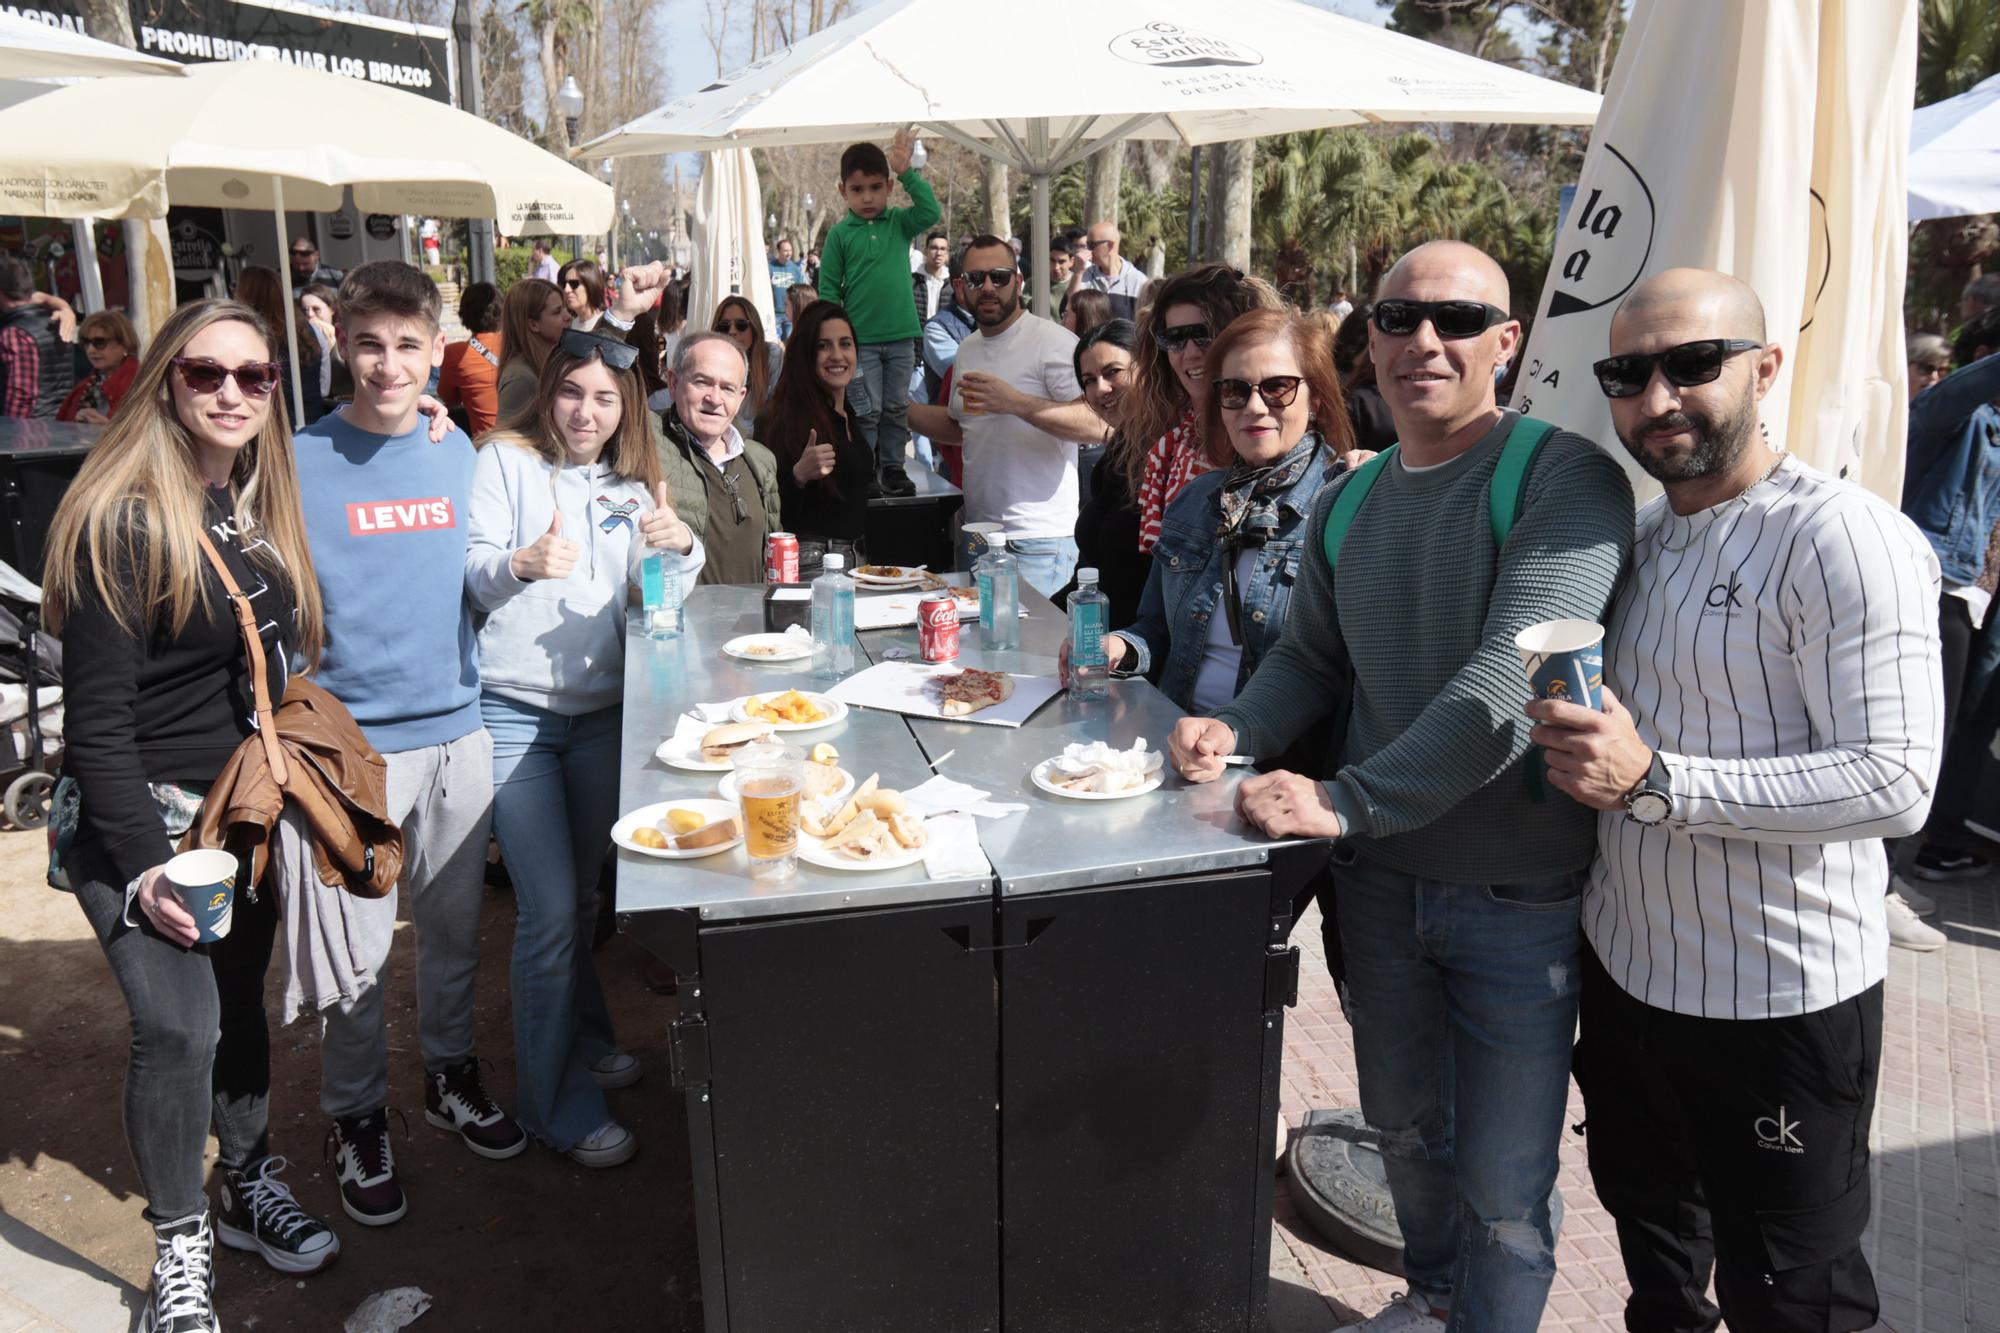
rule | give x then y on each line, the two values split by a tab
1184	591
1951	480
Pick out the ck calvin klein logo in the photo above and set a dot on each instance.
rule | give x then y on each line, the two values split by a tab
1725	598
1774	1132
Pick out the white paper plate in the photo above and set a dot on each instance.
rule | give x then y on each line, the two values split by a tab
621	832
840	793
688	757
1047	784
906	576
791	649
834	709
813	851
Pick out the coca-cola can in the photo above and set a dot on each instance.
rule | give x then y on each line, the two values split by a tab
781	558
937	627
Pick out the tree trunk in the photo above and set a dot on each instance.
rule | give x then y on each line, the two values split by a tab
109	21
998	197
1156	164
557	130
1229	197
1103	173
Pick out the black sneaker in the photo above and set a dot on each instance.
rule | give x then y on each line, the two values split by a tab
1939	866
183	1296
895	481
874	488
358	1147
259	1213
457	1101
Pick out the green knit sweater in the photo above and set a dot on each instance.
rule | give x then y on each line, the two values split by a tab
1435	778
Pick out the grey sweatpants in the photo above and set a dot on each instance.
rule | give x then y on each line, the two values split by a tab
442	795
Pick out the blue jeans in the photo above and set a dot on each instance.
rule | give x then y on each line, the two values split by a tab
1045	562
1463	999
555	797
879	398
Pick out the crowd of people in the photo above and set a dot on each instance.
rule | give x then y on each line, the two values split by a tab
1318	532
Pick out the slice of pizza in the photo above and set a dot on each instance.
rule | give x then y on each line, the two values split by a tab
970	690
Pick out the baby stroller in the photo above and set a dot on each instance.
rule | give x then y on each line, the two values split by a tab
30	702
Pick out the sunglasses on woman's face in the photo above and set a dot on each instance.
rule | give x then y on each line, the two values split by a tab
1180	335
1684	366
98	344
732	326
573	284
255	378
1277	392
1451	319
583	345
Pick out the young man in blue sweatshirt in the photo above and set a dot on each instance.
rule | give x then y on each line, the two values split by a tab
387	513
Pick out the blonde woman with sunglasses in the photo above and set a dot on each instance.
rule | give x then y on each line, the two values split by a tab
159	697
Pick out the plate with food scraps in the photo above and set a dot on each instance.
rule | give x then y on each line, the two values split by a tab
768	647
712	826
885	852
837	783
890	576
789	710
688	753
1096	772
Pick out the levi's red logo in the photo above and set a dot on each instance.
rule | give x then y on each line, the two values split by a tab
373	516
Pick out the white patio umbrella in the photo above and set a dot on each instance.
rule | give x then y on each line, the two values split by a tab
30	49
1955	155
1164	72
1783	166
218	137
729	240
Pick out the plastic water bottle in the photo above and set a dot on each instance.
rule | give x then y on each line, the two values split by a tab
833	620
998	577
1089	619
661	594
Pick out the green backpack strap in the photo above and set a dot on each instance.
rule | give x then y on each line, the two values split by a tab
1348	503
1505	493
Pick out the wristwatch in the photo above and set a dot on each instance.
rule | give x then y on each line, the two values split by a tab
1651	800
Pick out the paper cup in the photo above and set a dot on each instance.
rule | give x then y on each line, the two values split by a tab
972	540
1565	660
206	883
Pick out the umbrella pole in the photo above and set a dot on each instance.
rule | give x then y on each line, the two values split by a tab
284	335
83	235
1038	224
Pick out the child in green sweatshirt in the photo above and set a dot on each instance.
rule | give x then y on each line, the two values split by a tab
865	267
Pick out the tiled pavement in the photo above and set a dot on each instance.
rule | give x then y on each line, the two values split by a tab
1935	1238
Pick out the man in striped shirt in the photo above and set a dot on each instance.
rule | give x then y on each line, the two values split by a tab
1771	713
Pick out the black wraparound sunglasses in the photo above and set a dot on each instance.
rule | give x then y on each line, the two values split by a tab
1452	319
583	345
976	278
1685	365
1180	335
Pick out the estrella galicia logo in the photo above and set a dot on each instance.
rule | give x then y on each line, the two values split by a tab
1606	241
1170	46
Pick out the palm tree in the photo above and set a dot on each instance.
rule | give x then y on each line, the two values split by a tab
1958	45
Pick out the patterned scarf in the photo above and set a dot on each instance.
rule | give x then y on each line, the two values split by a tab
1250	499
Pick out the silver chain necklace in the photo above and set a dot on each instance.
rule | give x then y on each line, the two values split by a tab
1741	496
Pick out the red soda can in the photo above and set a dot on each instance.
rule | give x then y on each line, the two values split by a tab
781	558
937	627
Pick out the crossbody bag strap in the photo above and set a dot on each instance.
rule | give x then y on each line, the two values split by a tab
253	648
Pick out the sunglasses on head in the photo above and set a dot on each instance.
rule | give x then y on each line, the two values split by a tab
1001	278
1452	319
1277	392
733	326
1180	335
255	378
1688	364
583	345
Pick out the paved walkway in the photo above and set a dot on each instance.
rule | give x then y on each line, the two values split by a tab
1935	1238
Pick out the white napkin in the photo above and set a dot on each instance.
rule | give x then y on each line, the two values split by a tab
942	795
799	632
952	850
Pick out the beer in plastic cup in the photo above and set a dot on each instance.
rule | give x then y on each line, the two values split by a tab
770	781
206	884
1565	660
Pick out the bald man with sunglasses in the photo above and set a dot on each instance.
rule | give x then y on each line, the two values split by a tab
1458	875
1771	713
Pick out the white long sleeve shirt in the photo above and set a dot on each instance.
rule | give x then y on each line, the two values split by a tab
1780	651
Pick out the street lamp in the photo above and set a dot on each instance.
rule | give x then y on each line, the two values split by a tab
569	101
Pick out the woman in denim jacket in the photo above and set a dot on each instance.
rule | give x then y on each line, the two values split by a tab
1231	542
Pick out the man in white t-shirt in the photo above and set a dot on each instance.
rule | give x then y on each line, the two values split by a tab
1016	406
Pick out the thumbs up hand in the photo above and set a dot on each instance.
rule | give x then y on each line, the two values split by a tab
661	527
552	556
815	461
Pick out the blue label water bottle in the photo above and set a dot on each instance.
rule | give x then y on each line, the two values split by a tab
1089	620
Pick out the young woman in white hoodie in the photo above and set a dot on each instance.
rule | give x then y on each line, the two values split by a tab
567	499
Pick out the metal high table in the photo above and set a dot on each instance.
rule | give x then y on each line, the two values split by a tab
1037	1101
